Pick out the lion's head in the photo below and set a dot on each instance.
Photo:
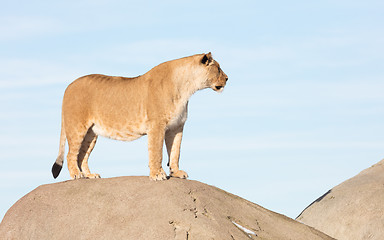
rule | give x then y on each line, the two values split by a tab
216	78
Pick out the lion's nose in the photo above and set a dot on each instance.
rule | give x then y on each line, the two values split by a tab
226	78
218	87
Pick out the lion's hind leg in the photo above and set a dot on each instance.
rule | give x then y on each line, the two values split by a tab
74	143
87	146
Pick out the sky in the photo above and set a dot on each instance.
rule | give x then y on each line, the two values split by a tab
302	110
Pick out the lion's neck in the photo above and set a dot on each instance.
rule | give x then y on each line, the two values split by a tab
188	80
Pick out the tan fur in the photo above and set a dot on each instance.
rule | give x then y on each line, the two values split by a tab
154	104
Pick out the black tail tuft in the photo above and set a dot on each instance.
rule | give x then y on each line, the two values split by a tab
56	168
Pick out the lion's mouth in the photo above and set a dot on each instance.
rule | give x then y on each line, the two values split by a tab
218	88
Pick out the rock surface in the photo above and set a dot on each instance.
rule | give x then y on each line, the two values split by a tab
352	210
137	208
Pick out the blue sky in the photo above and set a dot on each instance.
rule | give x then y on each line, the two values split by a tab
302	111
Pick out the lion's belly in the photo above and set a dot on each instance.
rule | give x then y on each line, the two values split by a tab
122	134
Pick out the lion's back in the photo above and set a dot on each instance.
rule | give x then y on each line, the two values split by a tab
108	99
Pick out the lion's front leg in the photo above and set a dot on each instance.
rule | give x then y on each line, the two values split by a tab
155	150
173	143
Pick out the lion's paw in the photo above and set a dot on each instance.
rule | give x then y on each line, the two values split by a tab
179	174
158	176
92	175
77	175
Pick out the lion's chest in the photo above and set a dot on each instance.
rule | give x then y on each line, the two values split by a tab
178	116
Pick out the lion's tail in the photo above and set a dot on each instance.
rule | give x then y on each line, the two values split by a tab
58	165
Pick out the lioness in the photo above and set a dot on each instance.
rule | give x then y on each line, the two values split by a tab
153	104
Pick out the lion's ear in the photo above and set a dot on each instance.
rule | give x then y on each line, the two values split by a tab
207	59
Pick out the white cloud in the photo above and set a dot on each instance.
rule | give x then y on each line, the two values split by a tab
21	27
23	72
267	143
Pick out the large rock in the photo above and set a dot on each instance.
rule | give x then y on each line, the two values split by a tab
137	208
352	210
